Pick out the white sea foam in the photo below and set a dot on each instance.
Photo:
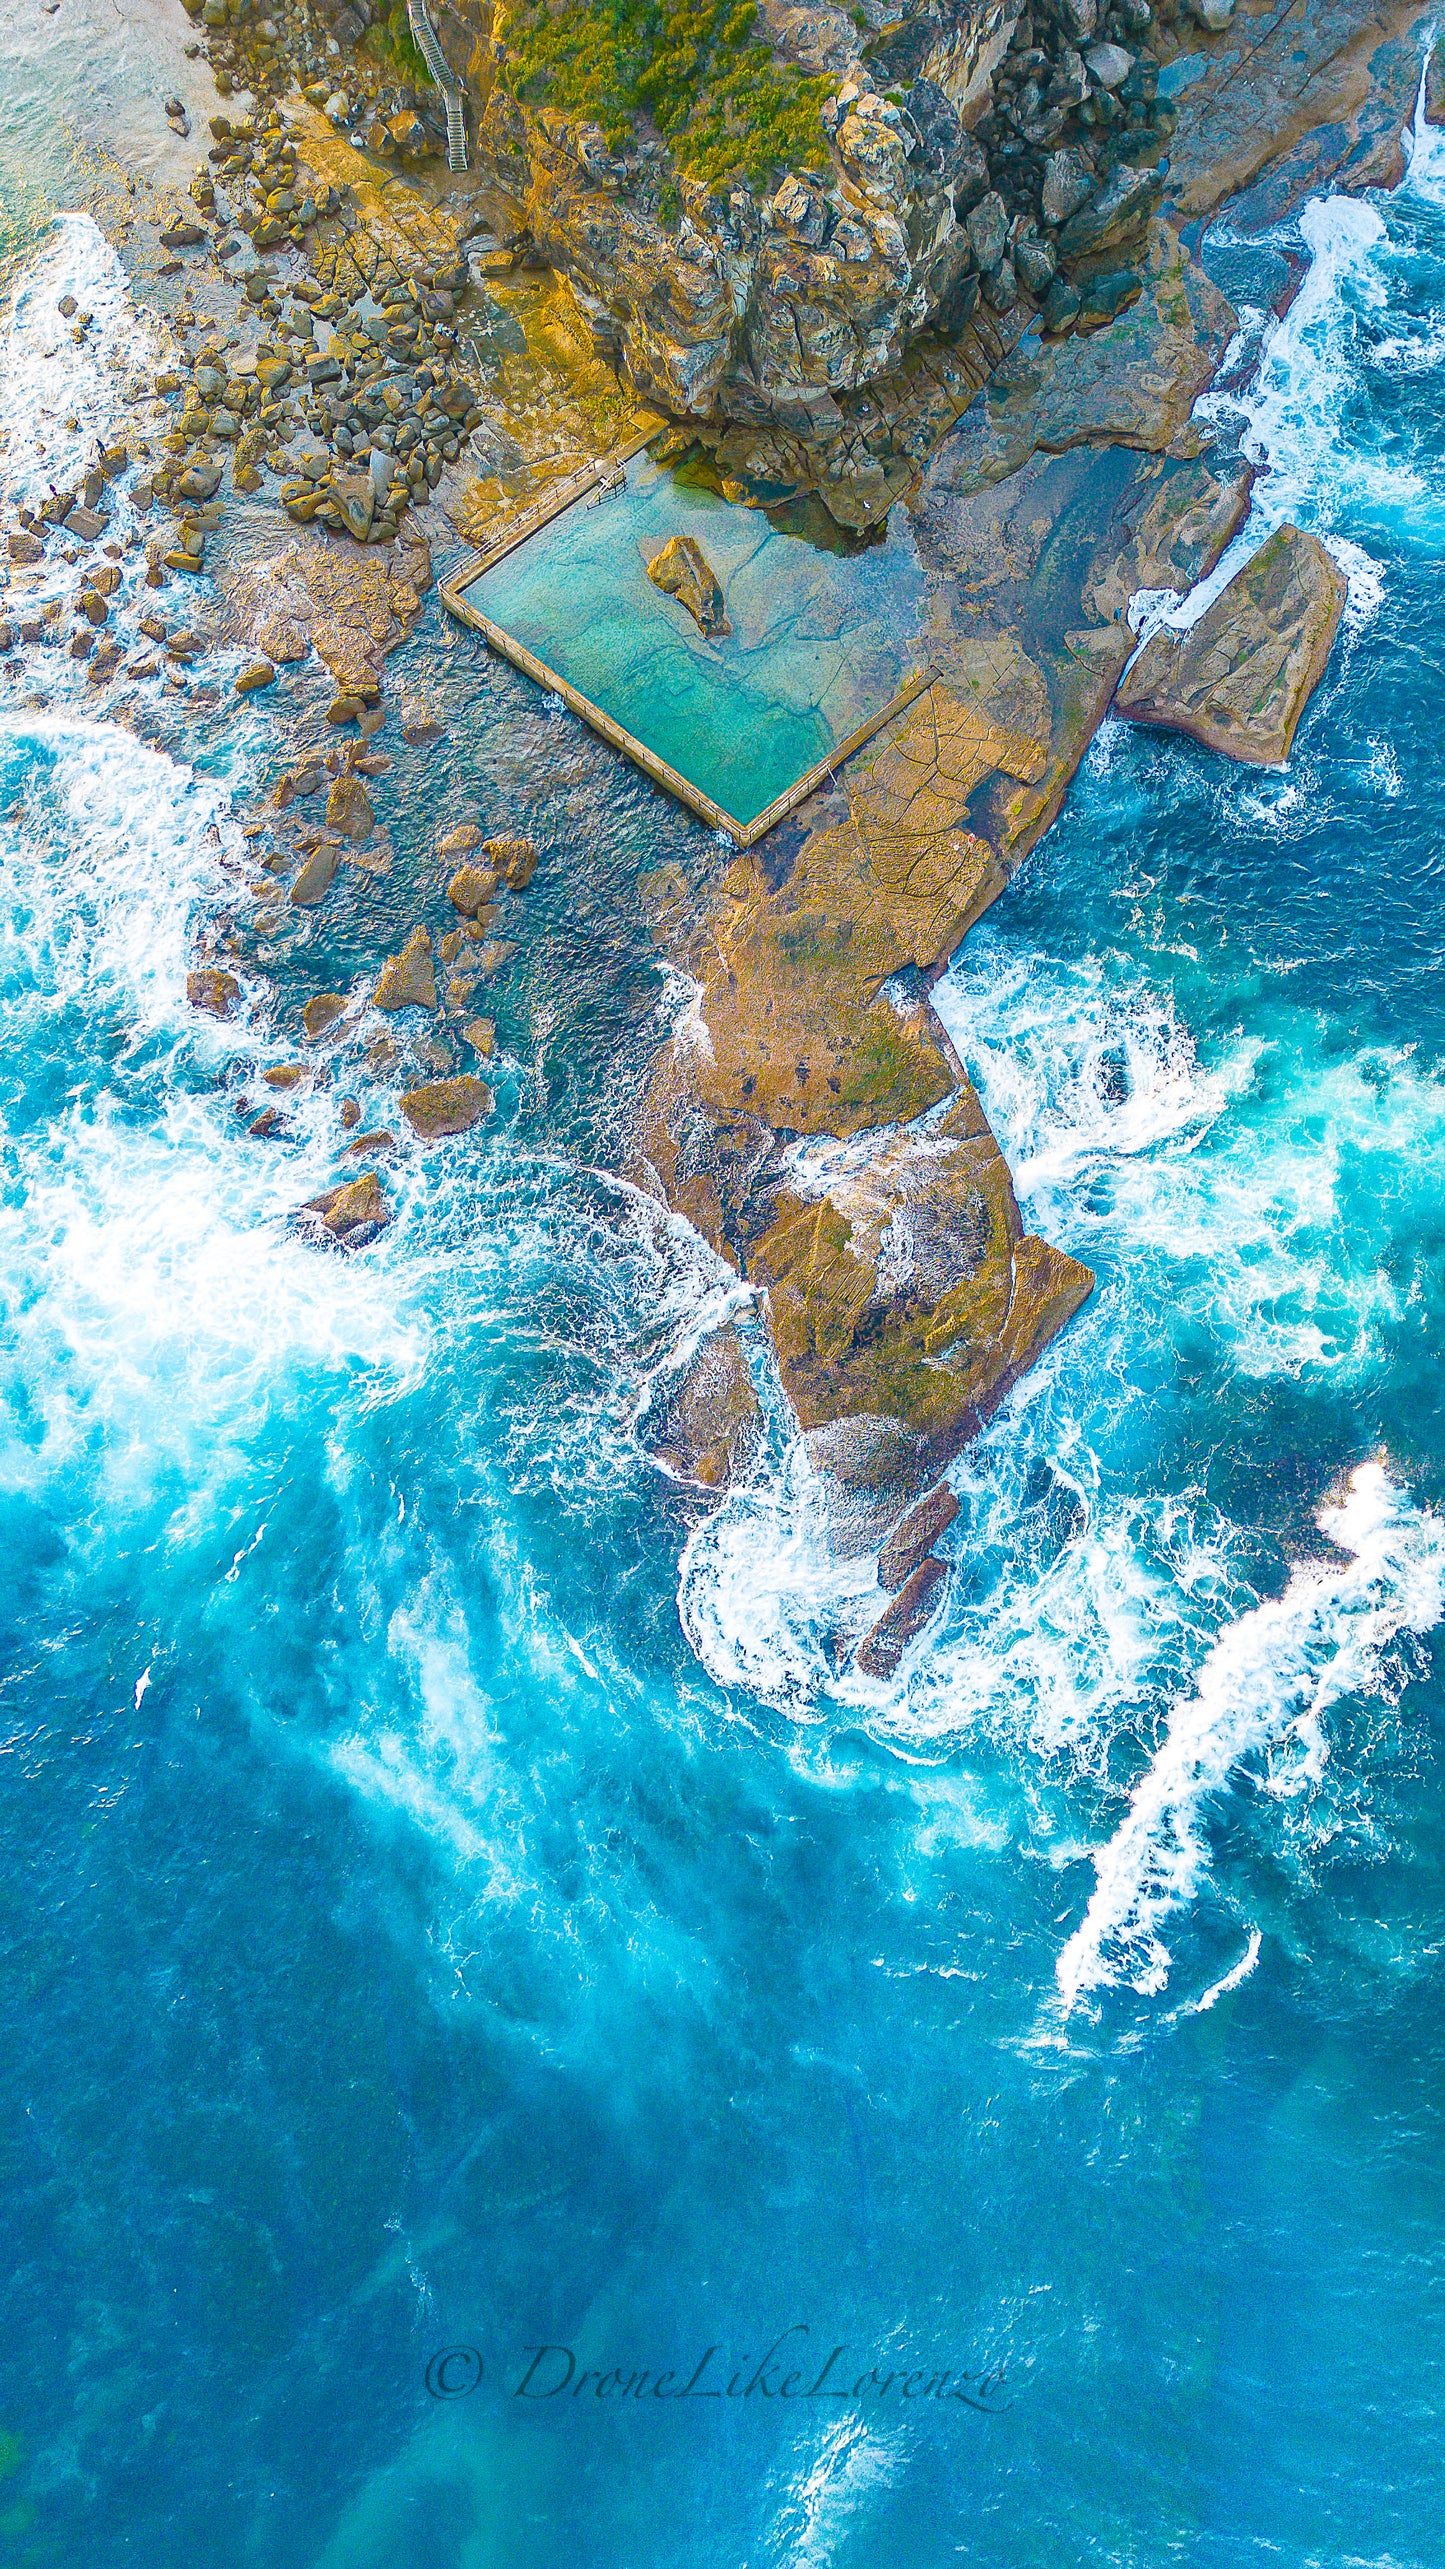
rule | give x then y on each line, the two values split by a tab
60	398
1260	1701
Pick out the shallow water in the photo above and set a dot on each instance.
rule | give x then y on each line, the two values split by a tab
454	1900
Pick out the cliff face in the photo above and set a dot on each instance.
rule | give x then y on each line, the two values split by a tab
753	303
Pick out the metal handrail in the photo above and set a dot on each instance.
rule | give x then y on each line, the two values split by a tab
428	45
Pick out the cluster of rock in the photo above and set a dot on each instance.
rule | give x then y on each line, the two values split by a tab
354	391
267	46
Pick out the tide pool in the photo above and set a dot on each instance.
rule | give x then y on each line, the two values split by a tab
819	643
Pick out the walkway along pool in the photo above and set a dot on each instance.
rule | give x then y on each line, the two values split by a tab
743	726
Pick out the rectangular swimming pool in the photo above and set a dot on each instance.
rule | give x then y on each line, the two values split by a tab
823	643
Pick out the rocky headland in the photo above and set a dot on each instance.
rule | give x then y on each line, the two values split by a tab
430	264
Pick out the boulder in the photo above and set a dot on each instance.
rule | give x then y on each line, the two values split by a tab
1068	185
459	841
348	809
419	726
355	1212
515	860
321	1013
314	881
470	888
444	1106
682	571
282	638
1119	213
881	1649
914	1538
1240	678
481	1034
257	673
218	994
408	979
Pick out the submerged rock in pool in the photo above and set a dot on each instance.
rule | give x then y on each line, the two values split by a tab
682	571
1240	678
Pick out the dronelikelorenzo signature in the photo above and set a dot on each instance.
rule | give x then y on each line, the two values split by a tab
794	2368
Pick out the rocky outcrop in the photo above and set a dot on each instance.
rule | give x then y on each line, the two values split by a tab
729	300
682	571
703	1423
1240	678
444	1106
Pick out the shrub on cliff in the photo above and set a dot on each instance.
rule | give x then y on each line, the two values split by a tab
722	101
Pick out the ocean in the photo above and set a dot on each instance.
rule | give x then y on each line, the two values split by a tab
480	1980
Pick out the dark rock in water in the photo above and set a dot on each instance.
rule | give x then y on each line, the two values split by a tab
257	673
880	1650
911	1541
218	994
199	482
515	858
682	571
408	979
182	235
459	841
26	548
87	523
1241	677
1118	214
443	1106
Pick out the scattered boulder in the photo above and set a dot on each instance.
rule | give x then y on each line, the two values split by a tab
1068	185
348	809
419	726
515	860
217	994
257	673
682	571
470	889
881	1649
481	1034
408	979
444	1106
1240	678
459	841
353	1213
314	881
321	1013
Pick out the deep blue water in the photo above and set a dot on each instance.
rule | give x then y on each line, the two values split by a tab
453	1903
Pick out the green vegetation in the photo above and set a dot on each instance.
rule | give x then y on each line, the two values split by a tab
725	106
395	48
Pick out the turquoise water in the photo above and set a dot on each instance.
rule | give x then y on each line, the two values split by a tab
452	1899
820	643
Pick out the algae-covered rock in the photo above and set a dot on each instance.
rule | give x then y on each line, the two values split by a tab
682	571
216	994
348	809
444	1106
1240	678
408	979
